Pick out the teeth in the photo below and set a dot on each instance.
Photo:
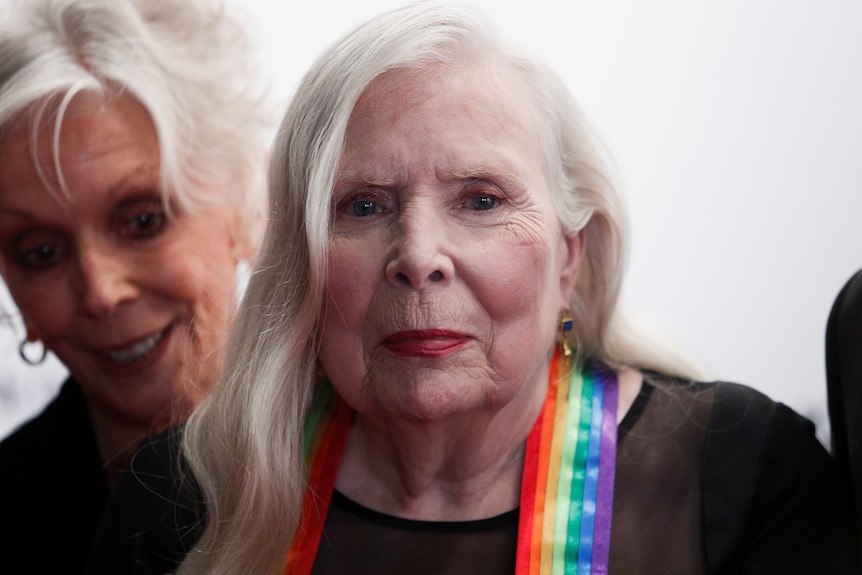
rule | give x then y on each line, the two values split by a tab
134	352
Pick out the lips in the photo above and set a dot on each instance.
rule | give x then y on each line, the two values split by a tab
136	351
424	343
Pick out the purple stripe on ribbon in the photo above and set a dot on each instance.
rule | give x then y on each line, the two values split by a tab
607	460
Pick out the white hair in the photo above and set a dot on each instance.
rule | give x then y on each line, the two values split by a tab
189	63
244	442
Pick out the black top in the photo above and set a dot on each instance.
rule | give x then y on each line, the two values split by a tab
710	479
52	488
844	385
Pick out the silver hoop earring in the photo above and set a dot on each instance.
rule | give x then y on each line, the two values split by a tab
29	360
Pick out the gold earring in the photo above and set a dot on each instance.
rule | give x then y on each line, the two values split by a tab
566	324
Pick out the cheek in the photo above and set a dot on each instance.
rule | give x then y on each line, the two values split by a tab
352	277
201	274
521	298
47	306
513	282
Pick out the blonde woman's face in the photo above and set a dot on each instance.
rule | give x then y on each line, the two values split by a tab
134	303
448	268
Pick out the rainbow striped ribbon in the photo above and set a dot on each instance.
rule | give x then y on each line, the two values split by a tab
567	486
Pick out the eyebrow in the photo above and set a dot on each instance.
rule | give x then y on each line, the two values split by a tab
361	177
133	178
130	180
491	171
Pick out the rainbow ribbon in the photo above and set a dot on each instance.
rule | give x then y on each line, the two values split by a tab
567	485
567	488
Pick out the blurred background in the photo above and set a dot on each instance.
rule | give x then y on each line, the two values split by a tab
737	136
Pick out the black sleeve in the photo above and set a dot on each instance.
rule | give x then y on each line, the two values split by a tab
153	517
774	502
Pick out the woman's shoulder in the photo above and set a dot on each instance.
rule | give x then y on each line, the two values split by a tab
772	497
753	441
741	423
735	409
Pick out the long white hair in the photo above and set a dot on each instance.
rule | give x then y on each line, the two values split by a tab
244	442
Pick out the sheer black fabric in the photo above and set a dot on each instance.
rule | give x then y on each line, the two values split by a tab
657	524
659	452
359	540
676	441
711	479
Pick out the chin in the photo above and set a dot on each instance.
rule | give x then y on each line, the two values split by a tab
431	403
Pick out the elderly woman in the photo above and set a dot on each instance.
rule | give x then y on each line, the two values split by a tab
442	276
132	176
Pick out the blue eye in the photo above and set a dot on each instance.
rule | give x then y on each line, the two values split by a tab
365	208
482	203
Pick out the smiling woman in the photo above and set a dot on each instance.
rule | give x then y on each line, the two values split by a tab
122	293
132	158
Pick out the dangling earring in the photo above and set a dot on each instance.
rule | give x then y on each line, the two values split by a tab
29	360
565	329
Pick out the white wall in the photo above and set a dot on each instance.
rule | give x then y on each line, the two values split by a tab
738	138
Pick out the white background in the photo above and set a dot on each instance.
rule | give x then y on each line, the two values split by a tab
737	135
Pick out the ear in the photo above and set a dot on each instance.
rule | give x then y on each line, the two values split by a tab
573	250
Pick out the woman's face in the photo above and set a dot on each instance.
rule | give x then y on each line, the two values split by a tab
133	302
448	267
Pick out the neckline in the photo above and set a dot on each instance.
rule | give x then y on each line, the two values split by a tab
471	526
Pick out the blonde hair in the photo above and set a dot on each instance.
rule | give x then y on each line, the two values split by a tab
244	442
189	63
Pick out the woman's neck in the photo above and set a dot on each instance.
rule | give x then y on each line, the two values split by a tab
461	468
454	470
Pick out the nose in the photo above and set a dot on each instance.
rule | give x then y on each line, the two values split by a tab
106	281
419	258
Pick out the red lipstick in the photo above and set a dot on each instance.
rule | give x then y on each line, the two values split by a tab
424	342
